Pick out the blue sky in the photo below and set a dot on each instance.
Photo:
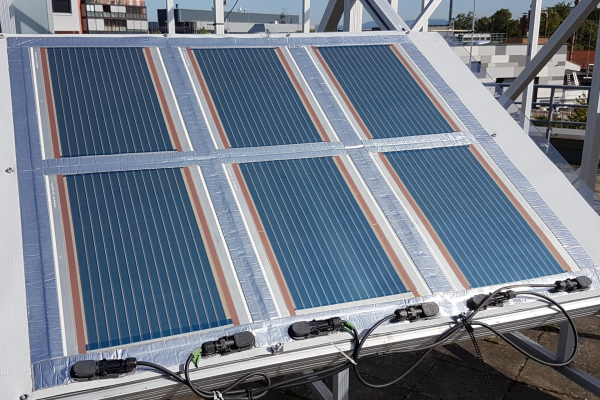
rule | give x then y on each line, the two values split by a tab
409	8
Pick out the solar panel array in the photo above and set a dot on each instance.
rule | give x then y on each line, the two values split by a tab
383	90
172	248
485	233
256	101
144	267
323	243
106	102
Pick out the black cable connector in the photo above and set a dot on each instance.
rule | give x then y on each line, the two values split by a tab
419	311
308	329
573	285
89	370
496	300
229	344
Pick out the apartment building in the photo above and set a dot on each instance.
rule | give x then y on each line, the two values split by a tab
99	16
114	16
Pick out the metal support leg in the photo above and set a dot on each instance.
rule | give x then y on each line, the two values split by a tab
219	17
394	4
341	385
424	4
318	388
532	48
170	17
591	143
305	16
353	11
427	8
565	348
566	342
331	16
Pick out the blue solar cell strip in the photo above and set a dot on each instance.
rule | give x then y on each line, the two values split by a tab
143	268
387	98
254	97
106	102
486	235
324	245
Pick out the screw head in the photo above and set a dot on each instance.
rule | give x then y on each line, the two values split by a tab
9	170
277	348
494	134
24	397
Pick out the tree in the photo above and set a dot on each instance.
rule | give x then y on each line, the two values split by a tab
556	15
586	35
463	21
484	24
502	22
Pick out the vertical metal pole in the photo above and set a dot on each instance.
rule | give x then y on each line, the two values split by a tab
353	11
591	144
472	36
170	17
305	16
7	17
394	4
450	12
550	112
341	385
219	17
532	48
424	4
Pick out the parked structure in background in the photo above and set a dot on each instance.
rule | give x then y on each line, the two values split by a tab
502	63
73	16
238	21
584	59
467	37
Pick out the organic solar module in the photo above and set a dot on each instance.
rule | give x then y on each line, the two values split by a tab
105	101
484	232
320	234
255	98
321	175
383	92
143	258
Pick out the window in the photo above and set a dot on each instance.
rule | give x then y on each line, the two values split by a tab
114	25
61	6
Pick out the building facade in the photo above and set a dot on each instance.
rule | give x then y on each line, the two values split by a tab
99	16
66	16
193	21
114	16
502	63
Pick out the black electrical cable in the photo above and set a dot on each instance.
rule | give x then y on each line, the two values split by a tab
445	336
534	358
230	394
465	323
315	376
488	381
163	370
227	16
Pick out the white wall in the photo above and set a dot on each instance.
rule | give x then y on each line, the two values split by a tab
68	22
32	16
